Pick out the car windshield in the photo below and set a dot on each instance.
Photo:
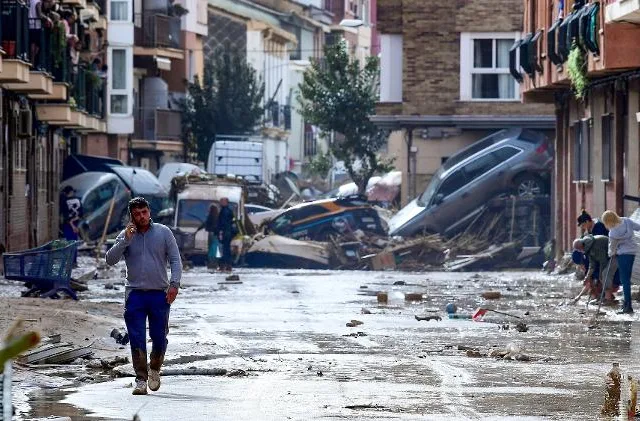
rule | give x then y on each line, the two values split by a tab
192	213
425	197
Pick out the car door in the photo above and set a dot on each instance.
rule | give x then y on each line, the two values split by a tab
447	204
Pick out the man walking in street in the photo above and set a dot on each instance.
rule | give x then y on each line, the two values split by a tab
226	231
71	211
147	247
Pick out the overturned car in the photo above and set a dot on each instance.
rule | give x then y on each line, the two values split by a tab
322	219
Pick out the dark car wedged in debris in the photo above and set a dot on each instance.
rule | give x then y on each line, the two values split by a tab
319	220
516	161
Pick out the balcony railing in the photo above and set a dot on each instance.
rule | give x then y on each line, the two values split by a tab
87	90
158	124
15	29
157	30
310	144
278	116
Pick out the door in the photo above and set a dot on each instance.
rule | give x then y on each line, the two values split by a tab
447	204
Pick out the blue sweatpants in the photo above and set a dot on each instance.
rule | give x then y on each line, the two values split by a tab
140	306
625	267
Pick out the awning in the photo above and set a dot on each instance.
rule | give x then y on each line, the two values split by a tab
513	61
469	122
552	34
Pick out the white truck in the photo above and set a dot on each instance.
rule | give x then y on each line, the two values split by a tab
192	208
237	155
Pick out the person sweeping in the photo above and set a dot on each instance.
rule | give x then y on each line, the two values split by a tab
623	246
147	247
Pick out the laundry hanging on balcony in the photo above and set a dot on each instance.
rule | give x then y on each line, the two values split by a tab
553	52
513	61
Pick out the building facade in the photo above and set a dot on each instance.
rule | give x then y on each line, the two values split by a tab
597	143
52	88
445	81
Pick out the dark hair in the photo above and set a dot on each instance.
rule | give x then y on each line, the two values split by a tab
67	189
138	203
584	217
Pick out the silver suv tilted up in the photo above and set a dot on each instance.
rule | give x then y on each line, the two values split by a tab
509	161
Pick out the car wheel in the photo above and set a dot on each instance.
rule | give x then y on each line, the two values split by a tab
529	185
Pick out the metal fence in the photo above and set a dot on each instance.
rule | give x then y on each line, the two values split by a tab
157	30
158	124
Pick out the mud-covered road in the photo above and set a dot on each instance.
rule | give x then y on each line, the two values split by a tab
287	331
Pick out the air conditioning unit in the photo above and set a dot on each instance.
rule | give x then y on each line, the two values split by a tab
24	123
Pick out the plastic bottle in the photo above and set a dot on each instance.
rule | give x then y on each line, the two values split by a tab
612	392
633	397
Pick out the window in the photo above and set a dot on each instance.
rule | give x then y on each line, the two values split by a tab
119	11
505	153
452	183
391	68
581	150
119	104
480	166
607	147
484	67
119	97
119	69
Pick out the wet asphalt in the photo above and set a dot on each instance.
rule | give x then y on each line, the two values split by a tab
286	331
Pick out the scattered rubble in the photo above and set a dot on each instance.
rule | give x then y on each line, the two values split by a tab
383	297
428	318
411	296
354	323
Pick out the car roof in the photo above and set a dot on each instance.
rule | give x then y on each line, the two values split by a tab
488	144
81	183
140	180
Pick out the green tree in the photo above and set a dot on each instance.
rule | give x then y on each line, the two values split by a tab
338	94
228	100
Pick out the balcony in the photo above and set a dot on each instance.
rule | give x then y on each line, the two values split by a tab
158	34
278	116
542	54
153	124
624	11
14	37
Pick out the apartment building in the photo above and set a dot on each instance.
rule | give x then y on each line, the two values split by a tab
167	53
445	81
597	144
323	26
52	86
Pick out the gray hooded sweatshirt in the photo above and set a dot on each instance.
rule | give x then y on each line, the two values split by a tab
621	238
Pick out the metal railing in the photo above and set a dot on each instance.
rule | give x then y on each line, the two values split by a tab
310	144
14	25
87	90
278	115
157	124
157	30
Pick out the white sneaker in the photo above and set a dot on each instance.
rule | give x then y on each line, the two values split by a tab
141	388
154	380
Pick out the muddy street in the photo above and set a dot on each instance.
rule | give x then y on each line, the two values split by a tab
282	338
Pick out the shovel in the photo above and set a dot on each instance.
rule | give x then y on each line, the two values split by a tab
594	320
481	311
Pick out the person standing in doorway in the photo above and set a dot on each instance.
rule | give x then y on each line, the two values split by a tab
226	231
211	226
147	247
622	245
71	211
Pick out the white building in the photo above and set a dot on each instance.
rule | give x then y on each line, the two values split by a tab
120	58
